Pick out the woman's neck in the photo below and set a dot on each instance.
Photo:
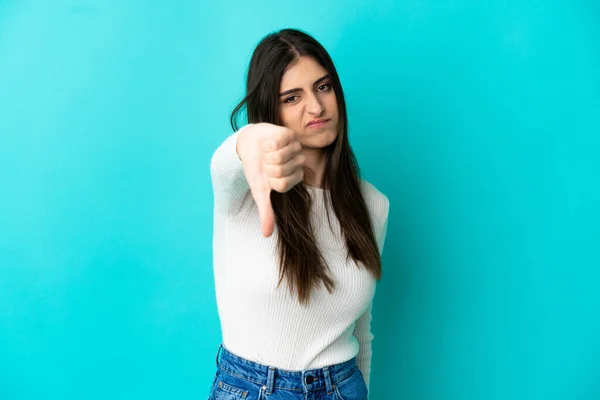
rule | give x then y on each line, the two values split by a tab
316	159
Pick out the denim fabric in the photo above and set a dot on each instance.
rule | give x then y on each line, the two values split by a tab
240	379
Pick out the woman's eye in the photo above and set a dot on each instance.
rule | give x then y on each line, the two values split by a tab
290	99
324	87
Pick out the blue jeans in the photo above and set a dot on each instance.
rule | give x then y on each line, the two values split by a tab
241	379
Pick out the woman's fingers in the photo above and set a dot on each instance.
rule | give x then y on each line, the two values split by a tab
282	185
286	169
283	155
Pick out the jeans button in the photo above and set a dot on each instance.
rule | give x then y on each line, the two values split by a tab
309	380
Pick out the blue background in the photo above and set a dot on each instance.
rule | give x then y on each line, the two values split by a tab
479	120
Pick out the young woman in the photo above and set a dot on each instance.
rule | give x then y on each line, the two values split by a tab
297	235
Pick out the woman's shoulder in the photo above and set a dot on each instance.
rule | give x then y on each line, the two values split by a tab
377	202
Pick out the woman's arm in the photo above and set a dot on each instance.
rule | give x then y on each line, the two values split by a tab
228	179
362	330
364	336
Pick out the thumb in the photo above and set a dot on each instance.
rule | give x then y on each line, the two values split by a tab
266	213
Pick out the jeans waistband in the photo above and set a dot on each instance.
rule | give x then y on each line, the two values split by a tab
271	377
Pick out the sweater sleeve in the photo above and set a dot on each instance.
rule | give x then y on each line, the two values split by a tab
381	232
362	330
364	336
228	180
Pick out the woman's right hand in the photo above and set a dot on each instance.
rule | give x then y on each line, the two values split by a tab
272	158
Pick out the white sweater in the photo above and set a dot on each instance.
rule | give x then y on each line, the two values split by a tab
265	324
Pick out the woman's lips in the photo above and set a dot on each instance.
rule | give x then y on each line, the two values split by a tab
318	123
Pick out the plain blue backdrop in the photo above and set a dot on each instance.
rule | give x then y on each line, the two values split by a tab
479	120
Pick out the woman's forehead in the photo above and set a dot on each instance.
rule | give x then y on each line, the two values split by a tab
303	72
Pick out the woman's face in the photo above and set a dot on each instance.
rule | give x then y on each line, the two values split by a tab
306	95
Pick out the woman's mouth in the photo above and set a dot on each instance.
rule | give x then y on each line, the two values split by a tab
317	123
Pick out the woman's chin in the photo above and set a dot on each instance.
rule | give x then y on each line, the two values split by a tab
320	140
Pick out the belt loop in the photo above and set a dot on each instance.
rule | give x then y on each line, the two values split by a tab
270	380
328	384
218	353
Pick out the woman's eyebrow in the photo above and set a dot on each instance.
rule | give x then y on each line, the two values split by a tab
321	79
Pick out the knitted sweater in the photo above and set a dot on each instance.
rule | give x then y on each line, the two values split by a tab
265	323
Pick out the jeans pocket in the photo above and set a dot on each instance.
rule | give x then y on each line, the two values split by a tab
224	391
229	387
352	388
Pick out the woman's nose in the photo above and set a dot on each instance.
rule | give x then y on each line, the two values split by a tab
315	107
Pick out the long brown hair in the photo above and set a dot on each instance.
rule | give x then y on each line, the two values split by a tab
301	261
